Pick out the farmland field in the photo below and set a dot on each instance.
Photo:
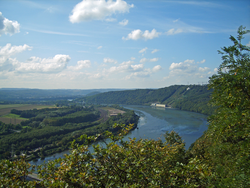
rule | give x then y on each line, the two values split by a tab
6	117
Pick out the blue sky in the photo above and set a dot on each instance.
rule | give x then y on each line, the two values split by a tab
53	44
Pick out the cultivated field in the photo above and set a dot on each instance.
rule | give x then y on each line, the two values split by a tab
6	117
106	112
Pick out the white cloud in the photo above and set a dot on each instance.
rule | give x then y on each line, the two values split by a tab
123	67
189	71
80	65
99	47
138	34
182	65
143	50
88	10
138	75
248	44
138	67
8	26
45	65
154	59
184	28
110	20
132	58
156	68
6	62
204	69
124	22
176	20
174	31
154	51
143	73
108	60
201	62
143	60
9	50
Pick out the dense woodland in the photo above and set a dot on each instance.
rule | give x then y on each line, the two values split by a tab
51	130
220	158
185	97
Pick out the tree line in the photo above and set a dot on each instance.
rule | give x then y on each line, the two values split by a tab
185	97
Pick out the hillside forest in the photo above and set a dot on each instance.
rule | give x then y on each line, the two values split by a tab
50	130
220	158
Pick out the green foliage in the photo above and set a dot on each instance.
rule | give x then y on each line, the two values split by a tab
225	145
192	98
14	173
53	128
142	163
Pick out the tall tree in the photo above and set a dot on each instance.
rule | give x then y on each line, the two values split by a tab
225	146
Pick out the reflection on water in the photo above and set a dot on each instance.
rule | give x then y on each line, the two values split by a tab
154	122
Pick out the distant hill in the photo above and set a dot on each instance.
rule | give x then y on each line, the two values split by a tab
185	97
26	95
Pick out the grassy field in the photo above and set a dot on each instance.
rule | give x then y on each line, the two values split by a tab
112	110
7	117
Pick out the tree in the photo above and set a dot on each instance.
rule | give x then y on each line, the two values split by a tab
133	163
14	173
225	145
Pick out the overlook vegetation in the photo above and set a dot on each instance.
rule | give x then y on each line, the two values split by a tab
220	158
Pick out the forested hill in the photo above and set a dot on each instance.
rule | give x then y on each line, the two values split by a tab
185	97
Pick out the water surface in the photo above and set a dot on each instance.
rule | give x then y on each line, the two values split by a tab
154	122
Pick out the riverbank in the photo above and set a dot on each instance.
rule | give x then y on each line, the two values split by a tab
153	124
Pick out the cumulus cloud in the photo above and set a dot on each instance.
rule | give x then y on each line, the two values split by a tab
123	67
154	59
132	58
99	47
189	70
8	26
156	68
182	65
138	34
143	50
143	60
45	65
124	22
9	50
80	65
6	62
137	75
138	67
154	51
204	69
88	10
143	73
201	62
108	60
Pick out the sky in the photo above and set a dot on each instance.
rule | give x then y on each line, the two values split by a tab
94	44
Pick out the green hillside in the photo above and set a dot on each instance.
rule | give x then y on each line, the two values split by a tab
185	97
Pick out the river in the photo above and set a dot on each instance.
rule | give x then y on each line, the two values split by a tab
154	122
